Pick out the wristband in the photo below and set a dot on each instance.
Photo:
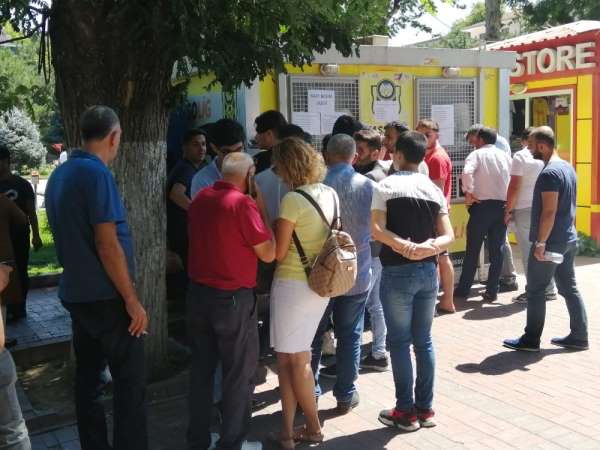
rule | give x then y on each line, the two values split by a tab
539	244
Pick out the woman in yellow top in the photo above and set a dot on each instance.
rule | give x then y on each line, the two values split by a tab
295	309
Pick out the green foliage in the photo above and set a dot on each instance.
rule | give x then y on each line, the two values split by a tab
22	87
587	246
556	12
22	137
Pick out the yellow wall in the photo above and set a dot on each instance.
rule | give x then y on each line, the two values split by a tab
490	99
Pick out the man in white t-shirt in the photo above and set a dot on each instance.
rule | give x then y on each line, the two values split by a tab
524	173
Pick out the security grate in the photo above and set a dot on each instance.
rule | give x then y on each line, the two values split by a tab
462	94
346	96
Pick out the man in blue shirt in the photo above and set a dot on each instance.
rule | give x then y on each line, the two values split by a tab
552	231
355	192
94	246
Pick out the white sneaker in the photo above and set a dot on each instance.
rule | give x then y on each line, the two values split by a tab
214	437
328	347
251	445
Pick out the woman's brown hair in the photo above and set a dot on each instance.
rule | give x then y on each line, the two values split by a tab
297	163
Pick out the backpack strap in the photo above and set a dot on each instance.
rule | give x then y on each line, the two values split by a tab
303	258
336	222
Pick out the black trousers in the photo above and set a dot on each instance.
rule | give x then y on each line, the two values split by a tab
486	220
21	241
99	336
221	326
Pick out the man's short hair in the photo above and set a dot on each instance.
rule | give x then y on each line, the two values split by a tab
191	134
4	152
488	135
292	130
428	124
226	132
270	120
370	136
473	129
412	145
545	135
400	127
526	133
341	146
346	125
237	163
97	122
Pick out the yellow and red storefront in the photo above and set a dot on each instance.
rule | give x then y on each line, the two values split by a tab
556	82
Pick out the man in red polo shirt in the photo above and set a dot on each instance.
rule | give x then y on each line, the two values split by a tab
440	171
227	233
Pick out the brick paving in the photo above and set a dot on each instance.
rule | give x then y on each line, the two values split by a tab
486	396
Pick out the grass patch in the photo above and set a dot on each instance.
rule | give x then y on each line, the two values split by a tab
44	261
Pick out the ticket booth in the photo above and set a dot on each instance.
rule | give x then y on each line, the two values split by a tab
455	87
556	82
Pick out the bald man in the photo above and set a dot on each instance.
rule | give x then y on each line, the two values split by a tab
228	233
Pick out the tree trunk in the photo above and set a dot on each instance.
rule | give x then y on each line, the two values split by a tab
493	20
94	64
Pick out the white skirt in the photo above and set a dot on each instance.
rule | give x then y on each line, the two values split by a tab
296	311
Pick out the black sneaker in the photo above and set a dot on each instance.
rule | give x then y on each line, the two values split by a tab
573	344
521	298
344	407
328	372
460	294
406	421
508	287
378	364
518	344
425	417
489	297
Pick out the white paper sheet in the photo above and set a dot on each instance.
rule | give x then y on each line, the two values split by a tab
308	121
328	120
444	116
321	101
386	110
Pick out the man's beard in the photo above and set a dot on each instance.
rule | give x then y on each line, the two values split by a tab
538	155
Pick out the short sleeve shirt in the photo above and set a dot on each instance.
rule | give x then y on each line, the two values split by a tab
440	168
412	204
205	177
558	176
182	173
18	190
524	165
224	226
82	193
308	225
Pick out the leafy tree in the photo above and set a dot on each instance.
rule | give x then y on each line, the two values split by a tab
457	38
556	12
122	53
22	138
21	86
493	20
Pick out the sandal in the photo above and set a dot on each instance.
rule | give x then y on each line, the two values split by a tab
285	442
303	435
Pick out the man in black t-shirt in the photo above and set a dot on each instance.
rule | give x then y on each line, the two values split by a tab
268	127
20	191
179	184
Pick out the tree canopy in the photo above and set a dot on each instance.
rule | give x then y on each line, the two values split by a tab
556	12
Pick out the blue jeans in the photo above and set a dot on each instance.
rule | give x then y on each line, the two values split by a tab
348	322
376	311
539	276
13	432
408	296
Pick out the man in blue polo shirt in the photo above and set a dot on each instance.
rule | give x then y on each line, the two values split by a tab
94	246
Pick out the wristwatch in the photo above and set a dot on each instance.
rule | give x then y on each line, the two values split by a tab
539	244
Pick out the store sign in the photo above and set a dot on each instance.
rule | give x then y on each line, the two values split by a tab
549	60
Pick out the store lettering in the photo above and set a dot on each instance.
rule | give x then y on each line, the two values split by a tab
548	60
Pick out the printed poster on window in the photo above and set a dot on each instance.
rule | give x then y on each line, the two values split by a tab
386	97
444	116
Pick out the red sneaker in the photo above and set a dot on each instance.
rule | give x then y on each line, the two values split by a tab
406	421
425	417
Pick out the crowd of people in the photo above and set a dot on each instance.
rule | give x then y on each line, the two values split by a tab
245	226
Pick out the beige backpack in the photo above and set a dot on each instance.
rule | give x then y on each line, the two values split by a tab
333	272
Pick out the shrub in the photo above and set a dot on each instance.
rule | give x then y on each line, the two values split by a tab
22	138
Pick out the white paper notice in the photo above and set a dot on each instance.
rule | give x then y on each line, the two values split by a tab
444	116
386	110
328	120
321	101
308	121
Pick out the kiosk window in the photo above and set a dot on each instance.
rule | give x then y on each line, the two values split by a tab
346	100
462	95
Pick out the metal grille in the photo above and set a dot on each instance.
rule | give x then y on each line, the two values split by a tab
462	94
346	96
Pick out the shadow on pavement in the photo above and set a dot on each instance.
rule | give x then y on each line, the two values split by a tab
488	311
507	361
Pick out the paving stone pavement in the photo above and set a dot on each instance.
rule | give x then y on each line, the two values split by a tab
486	396
46	320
